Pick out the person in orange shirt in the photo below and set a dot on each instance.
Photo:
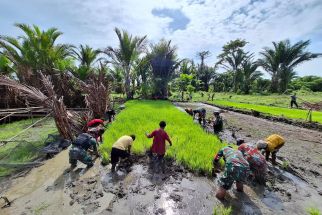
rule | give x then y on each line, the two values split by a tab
271	144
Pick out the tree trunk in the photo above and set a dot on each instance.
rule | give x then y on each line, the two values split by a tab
274	84
127	86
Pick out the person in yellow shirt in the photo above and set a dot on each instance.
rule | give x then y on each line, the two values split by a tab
271	144
121	149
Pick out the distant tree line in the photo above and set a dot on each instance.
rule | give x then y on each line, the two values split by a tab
137	68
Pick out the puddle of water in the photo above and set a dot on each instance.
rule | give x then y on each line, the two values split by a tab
271	200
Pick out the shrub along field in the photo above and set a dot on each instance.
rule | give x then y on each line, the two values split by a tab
191	147
20	152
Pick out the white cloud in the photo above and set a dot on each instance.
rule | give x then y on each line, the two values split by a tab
212	23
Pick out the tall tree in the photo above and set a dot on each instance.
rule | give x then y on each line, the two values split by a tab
125	54
250	74
231	59
281	60
163	60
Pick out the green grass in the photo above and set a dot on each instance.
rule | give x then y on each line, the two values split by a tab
192	146
313	211
276	100
221	210
275	111
20	152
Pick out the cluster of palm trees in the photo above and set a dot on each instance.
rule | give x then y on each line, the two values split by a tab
242	71
138	68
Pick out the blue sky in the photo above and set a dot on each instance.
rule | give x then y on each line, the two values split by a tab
193	25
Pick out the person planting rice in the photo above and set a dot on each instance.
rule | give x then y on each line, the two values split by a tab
96	128
110	115
201	112
158	148
121	149
271	144
189	111
256	160
236	169
79	149
217	123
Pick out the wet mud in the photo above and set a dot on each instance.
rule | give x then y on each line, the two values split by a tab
297	179
292	187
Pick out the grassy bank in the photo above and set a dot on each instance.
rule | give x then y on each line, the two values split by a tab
274	111
191	145
20	152
268	100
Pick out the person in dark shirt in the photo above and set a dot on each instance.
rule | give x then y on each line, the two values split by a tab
217	123
79	149
293	101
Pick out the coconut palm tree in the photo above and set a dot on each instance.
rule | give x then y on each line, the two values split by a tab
281	60
232	58
124	55
35	50
164	61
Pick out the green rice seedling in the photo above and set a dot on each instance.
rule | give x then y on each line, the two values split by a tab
274	111
222	210
192	146
313	211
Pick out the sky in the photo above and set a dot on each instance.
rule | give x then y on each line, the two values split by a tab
192	25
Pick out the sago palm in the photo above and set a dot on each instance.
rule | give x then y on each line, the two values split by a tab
33	51
163	60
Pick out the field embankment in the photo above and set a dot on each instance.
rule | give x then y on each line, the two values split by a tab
26	146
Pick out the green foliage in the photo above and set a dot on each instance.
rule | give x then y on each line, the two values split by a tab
191	145
163	60
125	54
310	83
313	211
281	60
222	210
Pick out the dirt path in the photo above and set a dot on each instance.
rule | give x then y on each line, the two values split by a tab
55	189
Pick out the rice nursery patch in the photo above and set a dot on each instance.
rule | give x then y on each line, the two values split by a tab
191	145
275	111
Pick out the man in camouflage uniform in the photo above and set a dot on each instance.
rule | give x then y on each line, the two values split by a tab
236	169
78	152
256	160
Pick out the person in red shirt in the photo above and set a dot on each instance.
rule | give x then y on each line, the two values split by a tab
159	138
96	127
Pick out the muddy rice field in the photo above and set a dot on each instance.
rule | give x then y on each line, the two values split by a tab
293	186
